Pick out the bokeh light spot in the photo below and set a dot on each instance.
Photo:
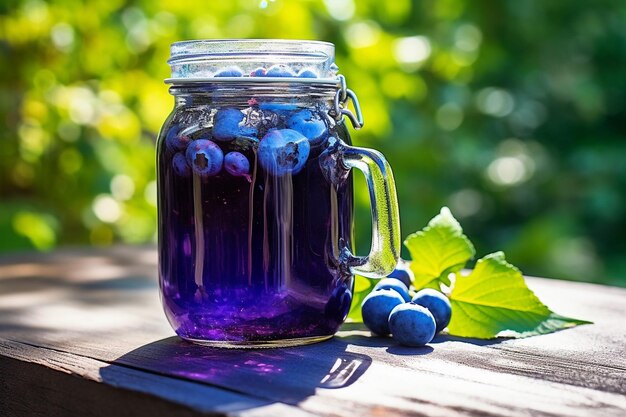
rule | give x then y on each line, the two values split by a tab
82	106
122	187
35	10
340	9
495	101
575	255
507	170
467	38
150	193
411	51
466	202
449	116
34	140
62	35
106	208
362	34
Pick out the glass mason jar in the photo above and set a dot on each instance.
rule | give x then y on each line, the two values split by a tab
255	195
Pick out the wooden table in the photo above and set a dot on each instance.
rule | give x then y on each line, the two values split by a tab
82	333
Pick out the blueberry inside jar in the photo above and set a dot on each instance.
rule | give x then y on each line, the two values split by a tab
255	211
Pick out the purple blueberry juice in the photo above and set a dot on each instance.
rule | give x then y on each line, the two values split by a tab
255	197
251	255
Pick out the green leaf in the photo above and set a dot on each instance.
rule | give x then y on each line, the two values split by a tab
438	250
362	287
494	301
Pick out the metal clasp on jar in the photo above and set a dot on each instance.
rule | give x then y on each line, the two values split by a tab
340	109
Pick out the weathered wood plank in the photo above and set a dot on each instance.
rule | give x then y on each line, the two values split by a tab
40	381
104	306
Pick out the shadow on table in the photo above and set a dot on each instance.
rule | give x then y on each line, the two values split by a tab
287	375
442	338
359	334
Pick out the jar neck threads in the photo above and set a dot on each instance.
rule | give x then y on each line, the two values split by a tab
247	93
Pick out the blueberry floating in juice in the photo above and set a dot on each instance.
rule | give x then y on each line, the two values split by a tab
227	125
280	109
309	124
283	151
180	165
205	157
229	72
307	73
259	72
237	165
175	141
280	70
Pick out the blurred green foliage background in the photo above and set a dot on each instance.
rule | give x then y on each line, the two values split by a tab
512	113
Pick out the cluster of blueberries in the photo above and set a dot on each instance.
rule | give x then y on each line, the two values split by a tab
411	321
279	70
280	151
204	157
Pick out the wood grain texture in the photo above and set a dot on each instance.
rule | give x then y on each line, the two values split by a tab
99	310
42	381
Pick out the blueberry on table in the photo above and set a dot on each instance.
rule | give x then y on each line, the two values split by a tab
402	273
237	165
438	305
176	142
180	165
307	73
395	285
283	151
226	125
411	324
280	70
308	123
259	72
205	157
376	308
229	72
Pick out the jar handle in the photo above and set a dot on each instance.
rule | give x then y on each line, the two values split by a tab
385	249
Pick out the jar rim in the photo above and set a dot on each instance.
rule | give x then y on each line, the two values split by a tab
250	41
206	58
335	81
